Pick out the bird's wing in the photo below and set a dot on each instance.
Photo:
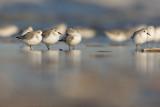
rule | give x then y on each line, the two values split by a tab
69	38
63	39
21	37
29	35
135	33
46	33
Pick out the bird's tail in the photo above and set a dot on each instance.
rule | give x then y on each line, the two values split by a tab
62	40
20	37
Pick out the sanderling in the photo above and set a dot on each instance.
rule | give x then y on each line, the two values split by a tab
72	38
32	38
130	30
62	28
157	34
151	31
117	35
139	37
139	27
25	31
8	30
50	37
22	33
86	33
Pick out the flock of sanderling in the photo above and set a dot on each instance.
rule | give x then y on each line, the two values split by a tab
146	35
140	35
51	36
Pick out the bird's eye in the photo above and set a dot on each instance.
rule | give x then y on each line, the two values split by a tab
144	31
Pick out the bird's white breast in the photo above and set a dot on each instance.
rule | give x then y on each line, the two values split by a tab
76	40
51	39
34	41
140	38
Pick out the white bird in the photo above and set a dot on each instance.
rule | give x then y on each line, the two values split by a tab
62	28
25	31
73	38
151	31
117	35
130	30
32	38
50	37
157	34
8	30
86	33
22	33
139	27
139	37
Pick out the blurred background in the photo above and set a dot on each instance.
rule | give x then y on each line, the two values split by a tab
98	73
100	14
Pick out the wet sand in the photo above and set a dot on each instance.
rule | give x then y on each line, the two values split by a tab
92	75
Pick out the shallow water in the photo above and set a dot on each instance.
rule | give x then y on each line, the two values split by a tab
95	74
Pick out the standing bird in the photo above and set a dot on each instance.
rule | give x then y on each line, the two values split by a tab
50	37
86	32
151	31
62	28
117	35
157	34
72	38
139	37
22	33
25	31
8	30
32	38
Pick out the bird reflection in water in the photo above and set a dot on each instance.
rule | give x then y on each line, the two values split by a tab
147	62
34	57
51	60
73	59
34	60
141	61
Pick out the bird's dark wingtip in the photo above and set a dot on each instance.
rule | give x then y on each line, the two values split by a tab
18	37
61	40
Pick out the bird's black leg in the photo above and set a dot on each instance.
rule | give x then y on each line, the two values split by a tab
48	47
136	47
30	47
69	47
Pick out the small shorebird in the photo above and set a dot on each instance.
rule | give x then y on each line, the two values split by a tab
32	38
62	28
139	27
151	31
8	30
129	30
139	37
50	37
25	31
157	34
72	38
86	33
117	35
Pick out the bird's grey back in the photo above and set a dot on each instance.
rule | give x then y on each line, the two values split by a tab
135	33
46	33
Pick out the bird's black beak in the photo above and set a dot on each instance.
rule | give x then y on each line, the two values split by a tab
60	33
148	34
